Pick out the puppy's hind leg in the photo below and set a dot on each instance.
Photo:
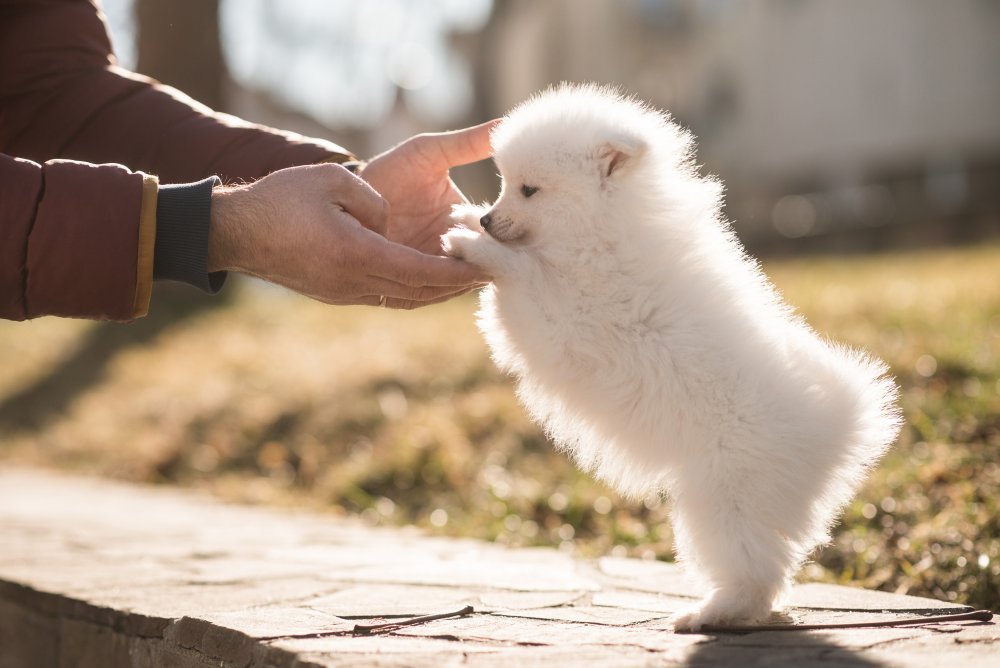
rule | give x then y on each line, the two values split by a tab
745	562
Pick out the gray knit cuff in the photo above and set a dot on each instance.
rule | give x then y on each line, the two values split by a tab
183	214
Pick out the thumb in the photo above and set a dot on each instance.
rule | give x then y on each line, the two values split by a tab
461	147
364	203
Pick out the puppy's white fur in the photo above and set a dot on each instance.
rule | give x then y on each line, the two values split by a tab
657	353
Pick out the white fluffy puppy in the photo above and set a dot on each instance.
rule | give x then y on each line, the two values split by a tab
657	353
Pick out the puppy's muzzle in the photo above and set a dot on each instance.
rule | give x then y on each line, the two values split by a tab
498	228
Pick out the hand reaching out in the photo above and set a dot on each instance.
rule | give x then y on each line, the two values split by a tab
319	230
413	177
328	234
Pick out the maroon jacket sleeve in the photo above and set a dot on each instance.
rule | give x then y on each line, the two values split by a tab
77	239
62	96
71	240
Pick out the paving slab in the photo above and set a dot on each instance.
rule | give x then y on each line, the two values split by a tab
98	573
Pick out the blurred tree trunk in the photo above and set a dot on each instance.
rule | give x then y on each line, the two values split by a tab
179	44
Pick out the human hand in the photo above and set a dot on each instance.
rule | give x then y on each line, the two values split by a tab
318	230
413	177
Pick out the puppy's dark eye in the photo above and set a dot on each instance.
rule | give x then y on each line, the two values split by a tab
528	191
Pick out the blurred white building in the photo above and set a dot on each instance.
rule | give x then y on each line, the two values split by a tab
822	117
836	124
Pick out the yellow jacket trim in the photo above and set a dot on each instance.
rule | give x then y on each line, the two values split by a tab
147	239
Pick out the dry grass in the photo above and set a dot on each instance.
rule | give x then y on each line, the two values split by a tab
402	418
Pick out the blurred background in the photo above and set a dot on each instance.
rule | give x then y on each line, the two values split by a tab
843	126
860	145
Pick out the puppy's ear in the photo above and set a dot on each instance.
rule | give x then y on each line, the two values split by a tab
614	154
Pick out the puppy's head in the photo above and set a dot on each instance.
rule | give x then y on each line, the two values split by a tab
568	158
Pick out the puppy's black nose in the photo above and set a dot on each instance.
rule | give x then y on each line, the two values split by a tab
486	221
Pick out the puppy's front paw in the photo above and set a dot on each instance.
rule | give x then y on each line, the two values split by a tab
458	242
468	216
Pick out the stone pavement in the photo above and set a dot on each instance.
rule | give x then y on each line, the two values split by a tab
95	573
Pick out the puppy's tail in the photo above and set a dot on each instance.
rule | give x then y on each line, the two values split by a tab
873	400
866	403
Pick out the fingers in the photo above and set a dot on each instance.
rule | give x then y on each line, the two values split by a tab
406	278
361	201
461	147
409	304
397	293
402	304
407	267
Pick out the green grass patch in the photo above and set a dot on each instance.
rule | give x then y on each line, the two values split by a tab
400	417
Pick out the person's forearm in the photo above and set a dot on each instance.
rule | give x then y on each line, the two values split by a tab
63	97
237	240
